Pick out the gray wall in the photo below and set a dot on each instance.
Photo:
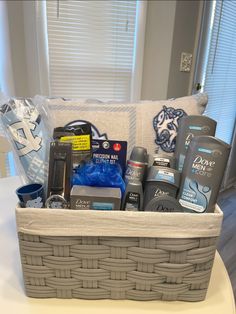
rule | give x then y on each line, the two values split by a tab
171	28
6	71
186	18
157	50
18	53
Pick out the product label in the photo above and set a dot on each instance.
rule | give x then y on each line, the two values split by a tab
195	127
162	208
159	192
188	139
135	171
165	175
82	204
79	142
195	196
132	201
110	151
102	206
181	162
195	130
161	162
203	166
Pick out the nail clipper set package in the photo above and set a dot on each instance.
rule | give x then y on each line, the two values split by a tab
99	221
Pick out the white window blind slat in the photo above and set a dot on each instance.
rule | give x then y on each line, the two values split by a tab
220	75
91	48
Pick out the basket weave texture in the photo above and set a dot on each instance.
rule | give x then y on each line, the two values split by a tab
116	267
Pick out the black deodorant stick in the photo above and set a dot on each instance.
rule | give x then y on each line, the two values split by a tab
161	181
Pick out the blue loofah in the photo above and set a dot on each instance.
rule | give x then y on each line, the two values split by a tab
102	175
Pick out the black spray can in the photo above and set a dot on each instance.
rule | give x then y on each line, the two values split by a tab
189	127
137	164
202	174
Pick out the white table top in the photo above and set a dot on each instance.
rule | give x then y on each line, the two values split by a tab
219	297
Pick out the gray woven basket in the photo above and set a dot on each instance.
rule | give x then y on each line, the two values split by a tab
113	267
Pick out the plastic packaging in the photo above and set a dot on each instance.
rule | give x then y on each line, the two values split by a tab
100	175
27	126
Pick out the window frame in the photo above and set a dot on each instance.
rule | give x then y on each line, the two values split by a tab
203	45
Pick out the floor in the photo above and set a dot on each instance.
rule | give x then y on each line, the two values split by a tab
227	240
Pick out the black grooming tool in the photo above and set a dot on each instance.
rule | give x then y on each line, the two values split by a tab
59	176
80	136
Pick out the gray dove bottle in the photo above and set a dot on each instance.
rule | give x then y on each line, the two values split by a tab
189	127
202	174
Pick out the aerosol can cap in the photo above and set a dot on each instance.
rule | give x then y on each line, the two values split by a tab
139	154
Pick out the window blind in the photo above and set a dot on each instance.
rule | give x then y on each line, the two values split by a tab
91	48
220	74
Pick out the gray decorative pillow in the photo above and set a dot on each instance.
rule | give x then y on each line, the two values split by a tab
160	120
152	124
